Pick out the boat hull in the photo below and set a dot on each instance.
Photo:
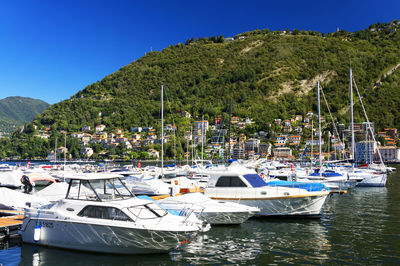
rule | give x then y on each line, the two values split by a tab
376	181
102	238
215	218
299	205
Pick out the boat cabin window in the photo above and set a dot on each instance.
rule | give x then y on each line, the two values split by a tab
230	181
102	212
98	190
148	211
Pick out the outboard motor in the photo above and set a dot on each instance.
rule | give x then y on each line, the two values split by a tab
27	184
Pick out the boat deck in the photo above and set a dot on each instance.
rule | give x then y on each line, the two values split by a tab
10	223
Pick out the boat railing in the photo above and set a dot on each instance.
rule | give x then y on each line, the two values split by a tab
144	212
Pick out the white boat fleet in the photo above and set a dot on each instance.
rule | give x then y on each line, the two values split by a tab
135	210
112	211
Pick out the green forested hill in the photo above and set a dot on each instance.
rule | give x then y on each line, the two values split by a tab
267	74
15	111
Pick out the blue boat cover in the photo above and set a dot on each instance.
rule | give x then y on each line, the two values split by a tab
255	180
307	186
327	173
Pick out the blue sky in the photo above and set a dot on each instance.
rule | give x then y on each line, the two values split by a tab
51	49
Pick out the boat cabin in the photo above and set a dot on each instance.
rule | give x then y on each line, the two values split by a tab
232	180
98	187
255	181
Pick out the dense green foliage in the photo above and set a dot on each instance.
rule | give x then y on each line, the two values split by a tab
267	74
15	111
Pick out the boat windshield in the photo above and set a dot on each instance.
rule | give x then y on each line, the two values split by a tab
148	211
110	189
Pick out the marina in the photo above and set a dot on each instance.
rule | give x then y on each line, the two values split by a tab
158	137
357	227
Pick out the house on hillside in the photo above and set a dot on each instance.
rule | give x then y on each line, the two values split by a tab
85	128
235	119
295	139
186	114
298	118
283	153
100	128
314	142
218	122
86	151
282	138
389	153
153	153
392	132
136	129
201	125
187	135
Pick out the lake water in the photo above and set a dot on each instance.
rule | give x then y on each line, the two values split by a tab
361	227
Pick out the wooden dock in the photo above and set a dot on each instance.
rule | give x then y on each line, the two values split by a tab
338	192
10	223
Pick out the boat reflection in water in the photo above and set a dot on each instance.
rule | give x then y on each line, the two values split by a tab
39	255
247	243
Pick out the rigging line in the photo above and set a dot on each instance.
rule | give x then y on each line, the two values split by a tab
366	117
173	122
333	122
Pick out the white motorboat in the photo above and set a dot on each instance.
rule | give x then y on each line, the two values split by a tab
250	189
145	184
10	177
211	211
100	214
330	178
368	178
17	200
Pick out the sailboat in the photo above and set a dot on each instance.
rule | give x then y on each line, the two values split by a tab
330	178
367	177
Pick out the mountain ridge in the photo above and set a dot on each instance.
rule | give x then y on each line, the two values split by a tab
267	75
15	111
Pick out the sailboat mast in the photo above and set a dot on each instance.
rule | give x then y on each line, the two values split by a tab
202	139
352	118
55	151
187	151
229	130
174	147
162	130
65	150
191	137
312	142
319	132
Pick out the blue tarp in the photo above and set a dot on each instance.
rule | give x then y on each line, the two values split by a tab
255	180
307	186
327	173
